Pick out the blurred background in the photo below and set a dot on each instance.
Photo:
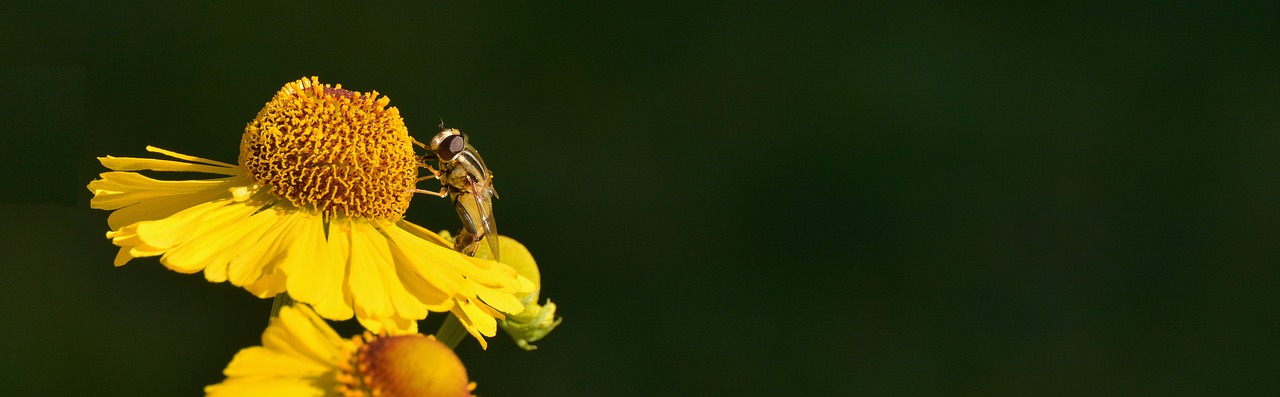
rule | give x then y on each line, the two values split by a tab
725	198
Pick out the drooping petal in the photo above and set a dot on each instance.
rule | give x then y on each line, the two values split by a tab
422	260
163	234
214	242
503	302
404	304
270	284
410	274
252	263
391	325
486	272
477	322
338	303
366	283
122	257
226	243
306	262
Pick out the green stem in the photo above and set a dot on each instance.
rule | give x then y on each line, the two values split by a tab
282	300
451	332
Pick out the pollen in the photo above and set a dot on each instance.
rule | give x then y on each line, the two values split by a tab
338	152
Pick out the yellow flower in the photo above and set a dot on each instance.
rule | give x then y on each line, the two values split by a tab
314	208
302	356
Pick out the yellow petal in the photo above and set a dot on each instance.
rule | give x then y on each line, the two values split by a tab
166	233
475	321
502	301
299	356
306	262
125	237
365	280
517	256
137	164
406	305
223	244
527	286
493	275
270	284
298	331
429	295
120	189
177	155
427	277
424	233
337	305
392	325
257	361
142	251
431	256
122	257
369	321
215	241
261	386
321	328
158	208
153	209
259	259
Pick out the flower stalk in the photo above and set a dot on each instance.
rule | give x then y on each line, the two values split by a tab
281	300
451	332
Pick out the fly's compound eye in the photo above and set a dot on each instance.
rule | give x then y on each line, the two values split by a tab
450	146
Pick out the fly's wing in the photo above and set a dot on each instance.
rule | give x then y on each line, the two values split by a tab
469	214
476	212
484	202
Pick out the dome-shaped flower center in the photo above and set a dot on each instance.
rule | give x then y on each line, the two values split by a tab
406	365
336	151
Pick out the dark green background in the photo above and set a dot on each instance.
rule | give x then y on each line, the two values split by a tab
726	198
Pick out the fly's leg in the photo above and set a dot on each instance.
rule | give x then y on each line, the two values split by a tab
444	192
466	242
435	174
422	162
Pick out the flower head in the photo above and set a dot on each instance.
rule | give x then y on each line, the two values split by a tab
314	208
339	152
302	356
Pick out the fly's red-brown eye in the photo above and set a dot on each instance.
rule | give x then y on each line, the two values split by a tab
450	147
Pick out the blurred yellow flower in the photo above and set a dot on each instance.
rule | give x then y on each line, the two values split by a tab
315	208
302	356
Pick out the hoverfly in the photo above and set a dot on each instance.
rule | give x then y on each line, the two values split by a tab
467	182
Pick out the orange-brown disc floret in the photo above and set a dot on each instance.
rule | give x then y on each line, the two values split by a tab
336	151
402	366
